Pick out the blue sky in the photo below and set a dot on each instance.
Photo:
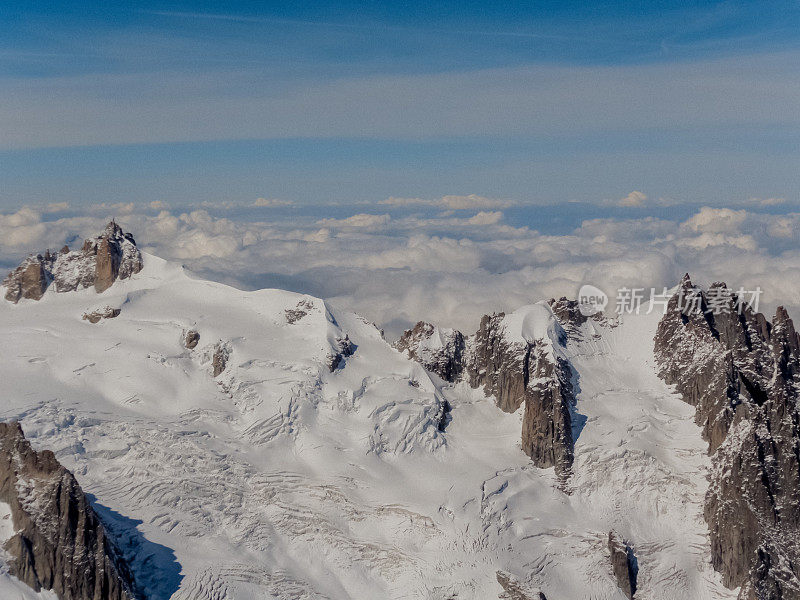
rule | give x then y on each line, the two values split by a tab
545	103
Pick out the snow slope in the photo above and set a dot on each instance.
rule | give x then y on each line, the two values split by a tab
283	479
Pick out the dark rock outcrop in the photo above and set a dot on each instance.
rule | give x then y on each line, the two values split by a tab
104	313
516	372
440	351
623	564
572	319
498	365
29	280
513	370
60	543
740	372
446	417
190	339
219	361
293	315
547	421
100	261
344	348
568	313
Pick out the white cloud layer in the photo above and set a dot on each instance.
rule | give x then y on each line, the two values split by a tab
397	270
270	202
633	199
360	220
451	202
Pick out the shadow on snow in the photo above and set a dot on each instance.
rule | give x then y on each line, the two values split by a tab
154	567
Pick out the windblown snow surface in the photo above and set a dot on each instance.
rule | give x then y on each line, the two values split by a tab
282	479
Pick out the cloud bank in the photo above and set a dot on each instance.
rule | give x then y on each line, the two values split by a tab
447	269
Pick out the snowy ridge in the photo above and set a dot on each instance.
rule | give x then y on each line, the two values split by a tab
535	324
283	478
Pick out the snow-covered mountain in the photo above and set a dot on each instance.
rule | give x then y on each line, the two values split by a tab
242	445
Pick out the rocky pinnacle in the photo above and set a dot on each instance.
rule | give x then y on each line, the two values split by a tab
99	263
515	372
60	543
739	372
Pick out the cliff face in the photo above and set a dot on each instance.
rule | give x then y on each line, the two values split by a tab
59	543
739	371
101	261
498	365
623	564
547	421
30	279
524	369
518	359
439	350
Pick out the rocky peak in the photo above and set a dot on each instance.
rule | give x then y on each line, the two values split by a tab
30	279
439	350
738	370
498	364
785	345
514	359
59	542
519	359
101	260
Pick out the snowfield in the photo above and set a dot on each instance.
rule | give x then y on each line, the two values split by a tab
281	478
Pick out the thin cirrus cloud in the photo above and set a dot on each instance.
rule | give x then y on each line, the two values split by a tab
540	100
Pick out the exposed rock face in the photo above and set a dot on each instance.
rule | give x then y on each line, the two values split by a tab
739	371
29	280
220	359
190	339
623	564
293	315
60	544
104	313
439	350
106	265
513	590
101	261
570	317
115	256
498	365
515	371
568	313
446	417
547	421
344	348
518	371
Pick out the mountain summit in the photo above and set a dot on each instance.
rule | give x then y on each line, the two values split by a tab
101	260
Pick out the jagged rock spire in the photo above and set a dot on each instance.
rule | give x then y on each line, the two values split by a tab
59	542
101	260
515	371
738	370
